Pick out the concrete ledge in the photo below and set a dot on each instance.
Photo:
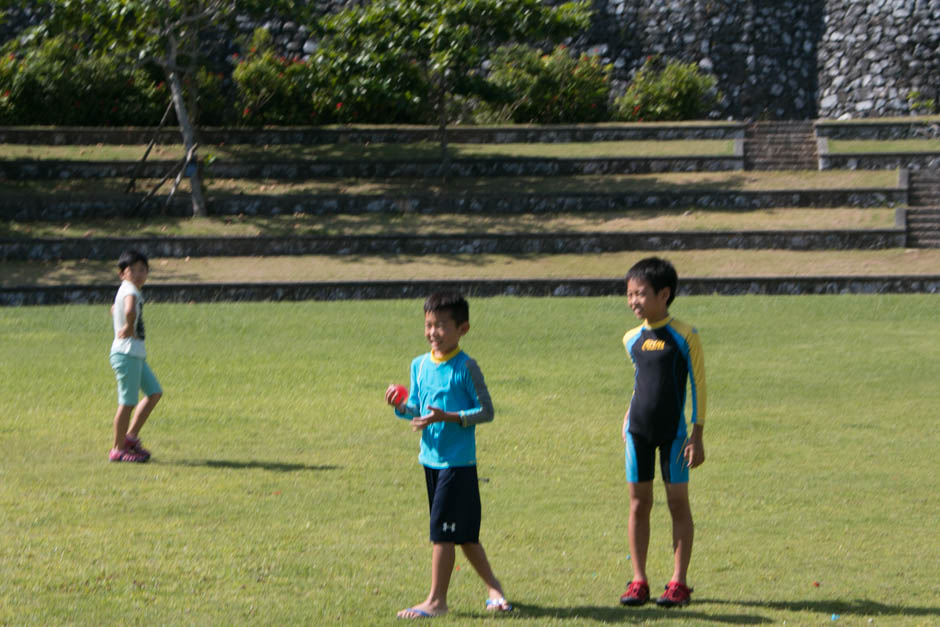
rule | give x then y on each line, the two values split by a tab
881	161
874	129
61	136
470	243
21	170
365	290
25	208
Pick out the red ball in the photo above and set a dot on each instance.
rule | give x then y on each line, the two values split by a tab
401	394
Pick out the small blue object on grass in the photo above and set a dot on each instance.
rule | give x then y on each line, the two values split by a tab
835	617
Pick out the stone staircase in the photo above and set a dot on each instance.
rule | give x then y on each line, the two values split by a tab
923	214
783	145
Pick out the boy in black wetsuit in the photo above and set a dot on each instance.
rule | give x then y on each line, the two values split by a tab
667	356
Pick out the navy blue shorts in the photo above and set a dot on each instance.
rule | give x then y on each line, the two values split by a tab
454	500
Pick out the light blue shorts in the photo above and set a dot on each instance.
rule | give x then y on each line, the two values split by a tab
133	374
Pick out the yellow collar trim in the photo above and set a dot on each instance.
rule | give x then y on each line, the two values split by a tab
450	355
660	324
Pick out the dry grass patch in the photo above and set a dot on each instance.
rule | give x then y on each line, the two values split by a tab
412	224
845	146
702	263
378	152
662	182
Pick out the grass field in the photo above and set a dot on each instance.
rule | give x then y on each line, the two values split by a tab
283	491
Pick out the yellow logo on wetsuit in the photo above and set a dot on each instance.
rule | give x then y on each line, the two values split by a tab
653	345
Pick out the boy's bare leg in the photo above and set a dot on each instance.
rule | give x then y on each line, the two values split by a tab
121	418
443	556
142	412
641	503
477	558
683	530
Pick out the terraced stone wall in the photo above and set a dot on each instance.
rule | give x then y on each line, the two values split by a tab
780	59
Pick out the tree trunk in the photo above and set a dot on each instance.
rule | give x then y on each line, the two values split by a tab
186	128
442	129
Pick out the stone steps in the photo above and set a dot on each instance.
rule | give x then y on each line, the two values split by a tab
924	188
781	146
923	227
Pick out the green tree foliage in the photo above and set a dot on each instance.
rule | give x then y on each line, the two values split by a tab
57	82
667	90
413	55
555	88
165	33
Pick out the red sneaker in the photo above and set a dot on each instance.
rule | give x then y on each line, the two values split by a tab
638	593
134	446
676	595
117	455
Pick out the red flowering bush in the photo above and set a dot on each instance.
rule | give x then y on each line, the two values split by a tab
667	90
57	83
271	89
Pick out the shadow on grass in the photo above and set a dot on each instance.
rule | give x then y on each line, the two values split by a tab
249	465
614	614
844	608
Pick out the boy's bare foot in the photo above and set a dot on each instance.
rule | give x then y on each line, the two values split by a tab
422	611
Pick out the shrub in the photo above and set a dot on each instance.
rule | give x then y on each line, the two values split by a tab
273	90
531	87
667	90
377	85
8	67
212	106
921	104
57	83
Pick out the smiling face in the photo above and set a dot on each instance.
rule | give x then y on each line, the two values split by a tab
442	333
136	273
645	302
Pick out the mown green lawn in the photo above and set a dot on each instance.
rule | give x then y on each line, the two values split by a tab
283	491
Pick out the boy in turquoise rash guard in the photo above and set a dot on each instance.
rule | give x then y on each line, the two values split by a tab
666	356
448	398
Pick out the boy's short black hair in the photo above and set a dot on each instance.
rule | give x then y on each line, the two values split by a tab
657	272
454	302
131	256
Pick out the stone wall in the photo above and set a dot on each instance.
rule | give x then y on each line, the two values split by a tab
27	208
363	290
469	243
776	59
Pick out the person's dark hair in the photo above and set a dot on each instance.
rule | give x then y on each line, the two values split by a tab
130	257
657	272
454	302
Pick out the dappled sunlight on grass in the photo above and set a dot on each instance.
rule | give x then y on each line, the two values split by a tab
664	182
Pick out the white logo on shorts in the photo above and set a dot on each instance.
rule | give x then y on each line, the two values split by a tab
453	527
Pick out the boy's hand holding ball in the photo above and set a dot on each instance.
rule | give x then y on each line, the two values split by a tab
396	394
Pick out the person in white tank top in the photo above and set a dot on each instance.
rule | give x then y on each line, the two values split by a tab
129	361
